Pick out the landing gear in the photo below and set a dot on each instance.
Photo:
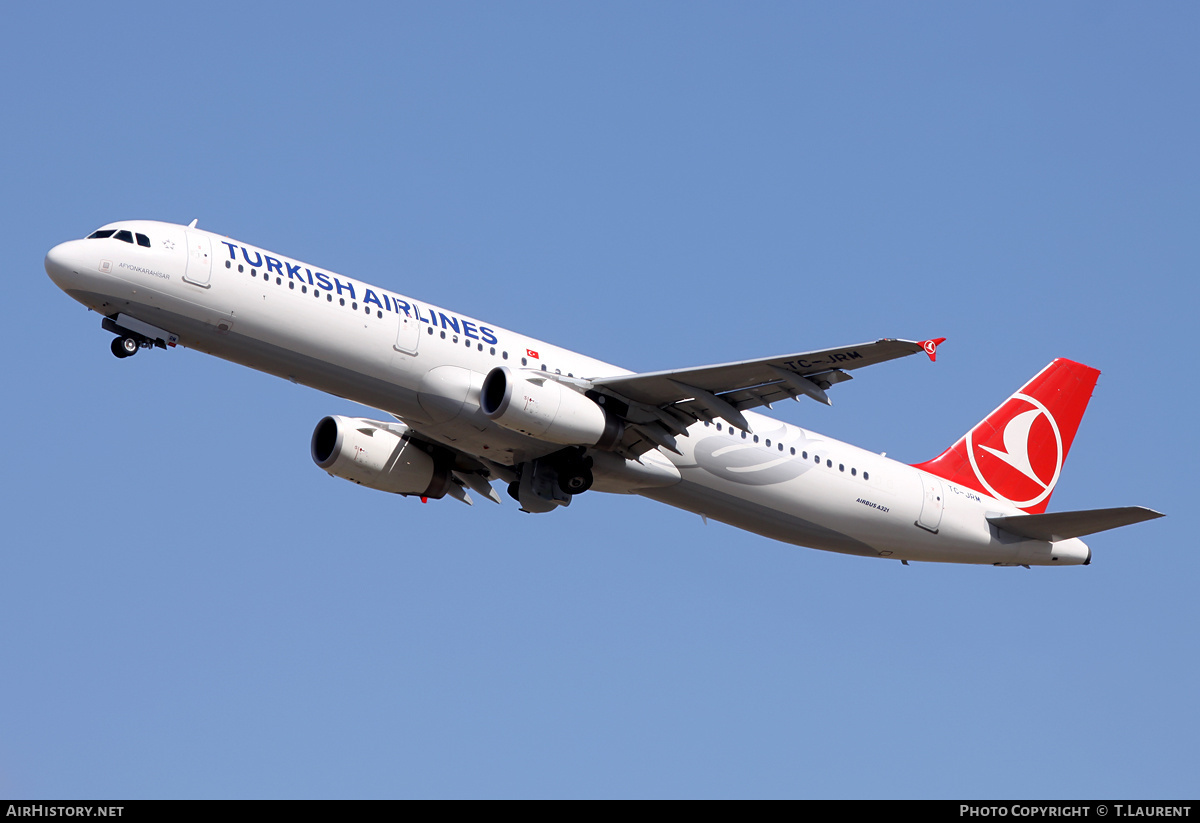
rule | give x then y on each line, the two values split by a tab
552	481
125	346
575	479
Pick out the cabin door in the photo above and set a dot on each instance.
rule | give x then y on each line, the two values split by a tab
199	262
932	503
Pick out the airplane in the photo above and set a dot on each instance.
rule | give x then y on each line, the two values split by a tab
470	403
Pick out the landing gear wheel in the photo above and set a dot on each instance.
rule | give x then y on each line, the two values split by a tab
513	490
576	481
124	346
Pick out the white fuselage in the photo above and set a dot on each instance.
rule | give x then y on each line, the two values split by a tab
426	365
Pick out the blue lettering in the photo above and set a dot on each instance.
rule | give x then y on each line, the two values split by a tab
469	330
323	281
347	286
293	271
274	265
448	322
387	304
369	297
417	309
256	262
489	336
401	306
232	250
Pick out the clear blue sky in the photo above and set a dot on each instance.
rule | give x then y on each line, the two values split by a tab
190	608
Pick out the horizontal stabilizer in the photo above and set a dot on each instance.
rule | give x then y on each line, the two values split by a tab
1063	525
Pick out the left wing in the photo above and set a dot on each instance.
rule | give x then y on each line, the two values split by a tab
661	405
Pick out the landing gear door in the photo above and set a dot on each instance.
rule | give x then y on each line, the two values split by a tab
933	503
199	262
408	335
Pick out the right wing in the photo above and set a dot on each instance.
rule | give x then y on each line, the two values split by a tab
661	405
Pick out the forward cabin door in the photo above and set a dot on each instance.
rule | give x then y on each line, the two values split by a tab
199	262
933	503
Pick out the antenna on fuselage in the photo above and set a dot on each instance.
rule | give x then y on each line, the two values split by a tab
192	224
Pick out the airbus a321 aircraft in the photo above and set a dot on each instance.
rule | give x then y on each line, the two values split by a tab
471	403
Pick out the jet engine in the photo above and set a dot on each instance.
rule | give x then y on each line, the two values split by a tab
546	409
379	456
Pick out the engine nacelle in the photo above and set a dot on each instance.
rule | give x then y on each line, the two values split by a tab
379	456
548	410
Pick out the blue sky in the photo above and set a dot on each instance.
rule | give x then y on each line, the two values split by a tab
192	609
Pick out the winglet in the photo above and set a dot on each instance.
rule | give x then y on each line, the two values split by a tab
930	347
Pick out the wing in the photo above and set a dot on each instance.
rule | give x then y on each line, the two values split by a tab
661	405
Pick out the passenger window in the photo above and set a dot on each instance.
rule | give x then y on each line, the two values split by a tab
124	236
866	476
143	240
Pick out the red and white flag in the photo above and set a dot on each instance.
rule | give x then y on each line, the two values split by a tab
532	354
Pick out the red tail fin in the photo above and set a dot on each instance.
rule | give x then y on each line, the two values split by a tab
1017	453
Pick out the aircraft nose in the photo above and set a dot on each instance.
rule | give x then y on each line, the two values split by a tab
62	264
57	264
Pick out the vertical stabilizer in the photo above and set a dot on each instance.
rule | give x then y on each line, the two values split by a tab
1017	453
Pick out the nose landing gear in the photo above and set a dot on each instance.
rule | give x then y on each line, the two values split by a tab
125	346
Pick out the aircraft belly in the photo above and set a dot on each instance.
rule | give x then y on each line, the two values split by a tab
757	517
268	357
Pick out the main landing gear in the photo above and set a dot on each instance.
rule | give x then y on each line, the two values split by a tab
552	481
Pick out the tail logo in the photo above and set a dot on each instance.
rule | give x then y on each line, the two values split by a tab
1016	472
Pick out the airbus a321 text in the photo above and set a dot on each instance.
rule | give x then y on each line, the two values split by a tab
471	403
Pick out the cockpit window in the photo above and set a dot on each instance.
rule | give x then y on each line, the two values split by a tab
101	233
143	240
124	235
